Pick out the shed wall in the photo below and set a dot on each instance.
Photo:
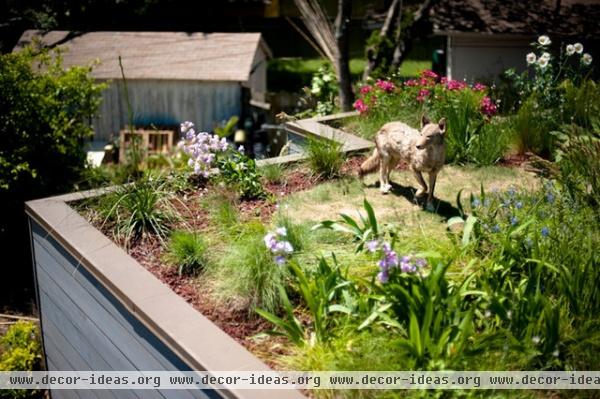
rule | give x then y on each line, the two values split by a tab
485	57
162	102
84	327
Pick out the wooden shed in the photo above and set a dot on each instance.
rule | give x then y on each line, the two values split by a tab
171	76
486	37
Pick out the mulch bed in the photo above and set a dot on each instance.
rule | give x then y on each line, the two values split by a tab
237	323
516	160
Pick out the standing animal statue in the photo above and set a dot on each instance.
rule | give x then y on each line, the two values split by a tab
423	152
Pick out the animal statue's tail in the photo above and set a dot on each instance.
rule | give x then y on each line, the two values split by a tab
370	164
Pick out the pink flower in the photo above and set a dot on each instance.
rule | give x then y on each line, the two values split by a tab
429	74
385	85
366	89
487	106
360	106
455	84
423	93
479	87
411	83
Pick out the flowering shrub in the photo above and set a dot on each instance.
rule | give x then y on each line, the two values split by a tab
210	155
322	92
277	244
466	107
546	71
202	148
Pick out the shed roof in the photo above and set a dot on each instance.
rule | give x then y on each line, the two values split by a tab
157	55
573	18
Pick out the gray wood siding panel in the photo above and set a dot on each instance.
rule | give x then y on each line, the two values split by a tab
110	319
85	327
168	102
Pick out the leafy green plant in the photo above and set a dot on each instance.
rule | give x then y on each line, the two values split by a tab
325	157
363	230
464	122
187	251
138	209
20	350
321	95
491	143
239	171
320	290
226	129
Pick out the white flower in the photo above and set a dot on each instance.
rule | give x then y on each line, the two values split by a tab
578	47
536	340
586	59
543	62
530	58
544	40
545	55
570	49
282	231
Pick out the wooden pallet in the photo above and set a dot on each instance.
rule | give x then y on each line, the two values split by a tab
151	141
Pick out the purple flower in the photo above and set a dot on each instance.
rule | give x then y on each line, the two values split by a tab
280	260
372	245
518	205
496	228
185	126
475	203
550	197
545	231
383	276
514	220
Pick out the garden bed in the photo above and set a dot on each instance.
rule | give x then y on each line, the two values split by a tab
306	201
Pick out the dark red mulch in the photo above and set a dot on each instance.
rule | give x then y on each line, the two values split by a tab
236	323
516	160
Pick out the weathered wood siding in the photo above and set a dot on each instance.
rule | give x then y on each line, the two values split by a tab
86	328
166	102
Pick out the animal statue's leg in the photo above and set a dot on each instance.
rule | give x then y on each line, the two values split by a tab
384	173
423	189
432	179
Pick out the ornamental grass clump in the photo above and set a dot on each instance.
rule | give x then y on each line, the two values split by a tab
138	209
187	252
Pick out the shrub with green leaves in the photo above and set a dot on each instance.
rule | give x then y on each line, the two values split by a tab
44	121
325	157
187	252
240	172
20	350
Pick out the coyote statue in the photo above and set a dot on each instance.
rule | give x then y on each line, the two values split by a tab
424	152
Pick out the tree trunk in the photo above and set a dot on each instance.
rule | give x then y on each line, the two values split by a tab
342	64
418	28
373	55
